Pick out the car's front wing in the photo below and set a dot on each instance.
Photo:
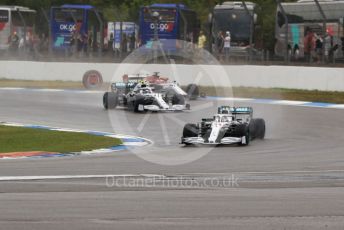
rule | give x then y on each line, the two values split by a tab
156	108
224	141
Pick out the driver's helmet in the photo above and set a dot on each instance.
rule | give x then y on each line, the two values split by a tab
143	82
224	119
145	91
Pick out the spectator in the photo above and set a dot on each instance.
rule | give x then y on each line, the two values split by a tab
201	40
21	43
132	42
43	43
79	42
90	42
35	46
296	52
334	48
328	47
342	44
111	45
85	43
14	41
309	44
73	44
227	44
219	43
318	47
124	44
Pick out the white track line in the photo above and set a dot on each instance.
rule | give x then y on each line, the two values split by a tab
272	172
56	177
164	129
286	102
252	100
26	178
12	88
50	90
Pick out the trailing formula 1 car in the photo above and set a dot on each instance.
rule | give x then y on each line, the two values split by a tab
231	125
162	83
140	97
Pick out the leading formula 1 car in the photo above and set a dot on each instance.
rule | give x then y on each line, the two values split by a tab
231	125
140	97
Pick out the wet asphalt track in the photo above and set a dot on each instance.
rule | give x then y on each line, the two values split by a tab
292	179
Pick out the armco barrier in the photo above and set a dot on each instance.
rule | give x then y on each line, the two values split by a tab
319	78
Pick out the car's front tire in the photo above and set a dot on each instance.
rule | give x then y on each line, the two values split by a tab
243	131
257	128
260	128
110	100
190	130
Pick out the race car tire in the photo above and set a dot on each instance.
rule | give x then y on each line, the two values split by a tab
169	95
193	91
252	127
244	131
178	99
190	130
134	105
110	100
247	137
237	131
260	128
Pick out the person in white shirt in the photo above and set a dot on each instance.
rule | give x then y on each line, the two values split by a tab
227	44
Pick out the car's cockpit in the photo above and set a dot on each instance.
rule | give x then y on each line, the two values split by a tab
223	118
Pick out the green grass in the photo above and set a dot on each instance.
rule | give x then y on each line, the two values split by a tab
276	93
246	92
41	84
21	139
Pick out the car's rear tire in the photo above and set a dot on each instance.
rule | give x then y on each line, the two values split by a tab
178	99
260	128
193	91
110	100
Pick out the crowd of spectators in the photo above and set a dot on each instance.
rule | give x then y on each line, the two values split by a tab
316	48
30	44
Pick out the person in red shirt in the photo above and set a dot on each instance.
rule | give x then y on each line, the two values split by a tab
309	44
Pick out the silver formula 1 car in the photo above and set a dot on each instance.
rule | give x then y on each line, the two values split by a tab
140	97
161	83
231	125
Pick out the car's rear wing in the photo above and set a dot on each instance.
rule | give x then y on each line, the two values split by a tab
234	110
241	110
207	119
123	85
136	79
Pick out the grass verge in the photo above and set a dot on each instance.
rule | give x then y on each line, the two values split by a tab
41	84
276	93
21	139
245	92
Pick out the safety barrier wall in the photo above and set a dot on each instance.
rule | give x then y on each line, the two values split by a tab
319	78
